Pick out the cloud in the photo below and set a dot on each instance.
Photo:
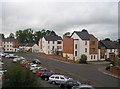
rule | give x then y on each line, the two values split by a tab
99	18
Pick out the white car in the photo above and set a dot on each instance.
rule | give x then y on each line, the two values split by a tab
32	67
58	79
83	86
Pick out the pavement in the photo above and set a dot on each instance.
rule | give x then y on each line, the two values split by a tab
104	71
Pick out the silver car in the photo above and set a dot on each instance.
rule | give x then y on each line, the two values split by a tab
58	79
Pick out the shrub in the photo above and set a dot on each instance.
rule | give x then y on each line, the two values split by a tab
17	76
83	59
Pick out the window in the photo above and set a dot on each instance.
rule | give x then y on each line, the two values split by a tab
53	47
59	47
110	50
85	42
85	49
59	42
4	45
93	42
57	77
75	53
75	46
61	78
48	42
48	47
53	42
102	56
7	45
91	57
52	77
94	56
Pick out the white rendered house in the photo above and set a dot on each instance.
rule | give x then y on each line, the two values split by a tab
51	44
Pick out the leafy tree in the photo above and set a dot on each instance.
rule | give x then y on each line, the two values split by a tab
17	76
25	36
66	34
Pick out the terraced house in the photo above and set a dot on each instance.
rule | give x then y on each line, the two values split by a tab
51	45
80	44
108	49
10	44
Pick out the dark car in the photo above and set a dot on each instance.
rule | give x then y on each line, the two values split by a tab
69	84
36	61
41	71
46	75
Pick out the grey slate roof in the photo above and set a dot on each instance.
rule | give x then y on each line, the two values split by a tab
26	44
9	40
84	35
52	38
108	44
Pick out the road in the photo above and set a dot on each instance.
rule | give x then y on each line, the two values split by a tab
85	73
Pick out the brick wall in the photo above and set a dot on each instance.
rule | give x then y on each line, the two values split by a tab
68	45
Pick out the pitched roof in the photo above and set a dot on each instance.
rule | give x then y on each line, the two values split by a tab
9	40
84	35
108	44
26	44
52	38
100	44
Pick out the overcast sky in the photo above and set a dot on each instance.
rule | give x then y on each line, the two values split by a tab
99	18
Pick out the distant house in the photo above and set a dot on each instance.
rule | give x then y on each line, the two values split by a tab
35	48
80	44
32	47
107	49
10	44
51	44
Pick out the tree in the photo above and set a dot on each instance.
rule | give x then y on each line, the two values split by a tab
25	36
17	76
67	34
11	35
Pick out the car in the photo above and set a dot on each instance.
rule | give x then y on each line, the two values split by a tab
36	61
69	84
15	60
33	66
83	86
36	69
58	79
24	63
46	75
41	71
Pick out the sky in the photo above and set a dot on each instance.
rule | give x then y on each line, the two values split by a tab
100	18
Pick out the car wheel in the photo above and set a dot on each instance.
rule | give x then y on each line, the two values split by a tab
46	79
53	83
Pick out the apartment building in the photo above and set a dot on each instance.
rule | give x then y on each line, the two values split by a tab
107	49
79	44
51	44
10	44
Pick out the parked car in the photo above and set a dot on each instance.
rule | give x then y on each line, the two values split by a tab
58	79
41	71
69	84
24	63
33	66
36	69
83	86
46	75
36	61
